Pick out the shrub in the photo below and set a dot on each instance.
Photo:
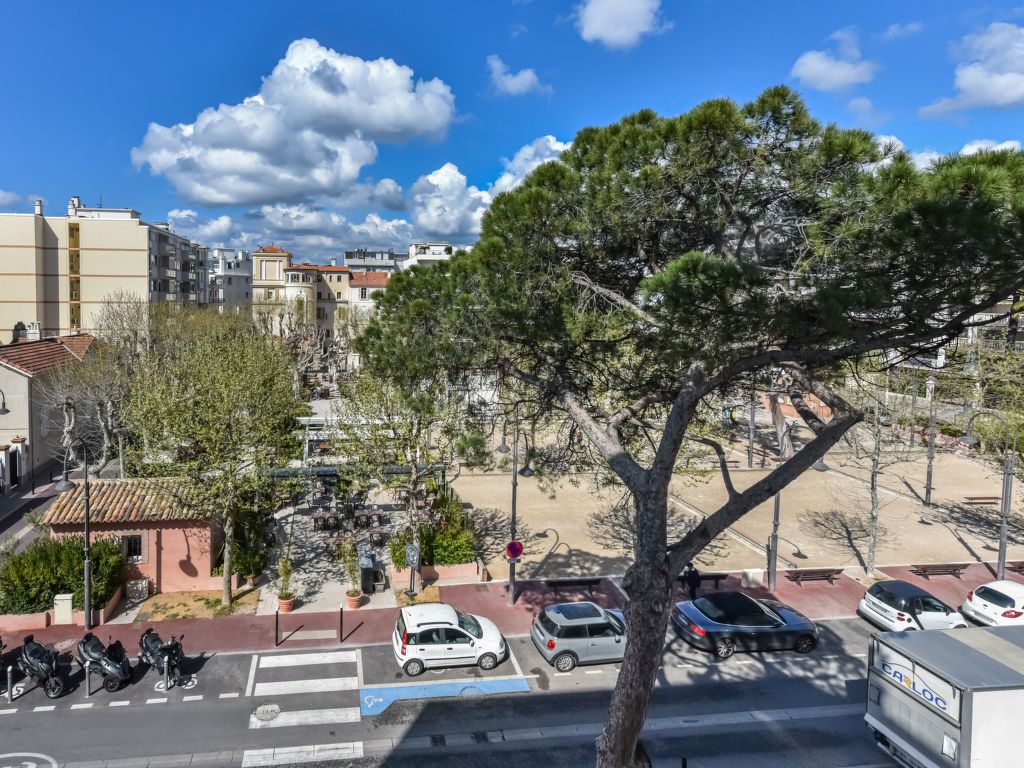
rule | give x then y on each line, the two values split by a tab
396	548
453	546
51	566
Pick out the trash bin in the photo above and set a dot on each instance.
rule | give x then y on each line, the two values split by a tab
367	571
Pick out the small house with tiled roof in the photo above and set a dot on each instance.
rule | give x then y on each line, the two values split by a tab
168	535
28	438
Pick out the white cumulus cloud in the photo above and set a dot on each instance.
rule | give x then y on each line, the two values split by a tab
827	71
16	202
311	129
924	158
619	23
991	72
897	31
446	205
525	160
514	83
988	145
864	110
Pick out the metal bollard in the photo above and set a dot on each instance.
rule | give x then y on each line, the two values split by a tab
10	684
167	669
88	680
277	628
341	622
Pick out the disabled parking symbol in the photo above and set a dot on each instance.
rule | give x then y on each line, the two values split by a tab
26	760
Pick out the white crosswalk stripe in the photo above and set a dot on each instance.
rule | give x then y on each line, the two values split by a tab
288	674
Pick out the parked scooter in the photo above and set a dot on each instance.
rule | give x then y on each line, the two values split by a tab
40	664
163	656
110	661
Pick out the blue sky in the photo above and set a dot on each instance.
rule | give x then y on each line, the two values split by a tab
325	126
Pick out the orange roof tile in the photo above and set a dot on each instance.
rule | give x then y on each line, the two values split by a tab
273	249
134	500
35	357
370	279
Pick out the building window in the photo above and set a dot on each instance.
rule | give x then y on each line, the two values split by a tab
293	277
131	546
364	293
229	280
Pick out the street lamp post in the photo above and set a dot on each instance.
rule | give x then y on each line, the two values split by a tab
773	543
525	472
931	441
69	485
1009	457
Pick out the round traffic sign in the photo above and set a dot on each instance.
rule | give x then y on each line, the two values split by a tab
514	550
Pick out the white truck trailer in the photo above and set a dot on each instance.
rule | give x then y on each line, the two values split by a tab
948	699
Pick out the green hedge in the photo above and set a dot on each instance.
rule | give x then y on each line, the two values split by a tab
444	546
30	579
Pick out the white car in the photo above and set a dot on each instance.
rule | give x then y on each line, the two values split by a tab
998	603
438	635
901	606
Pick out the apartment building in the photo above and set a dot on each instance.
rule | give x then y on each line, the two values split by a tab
230	280
427	254
58	271
367	260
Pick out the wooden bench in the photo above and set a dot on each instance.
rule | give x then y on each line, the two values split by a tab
715	577
937	569
814	574
982	499
1017	567
589	584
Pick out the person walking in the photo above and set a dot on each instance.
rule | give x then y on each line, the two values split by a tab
692	578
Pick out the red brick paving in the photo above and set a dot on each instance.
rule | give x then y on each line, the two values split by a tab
815	599
949	589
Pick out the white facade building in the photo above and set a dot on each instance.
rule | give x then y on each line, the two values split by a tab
230	280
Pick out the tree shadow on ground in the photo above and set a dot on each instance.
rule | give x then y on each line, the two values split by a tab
979	522
843	530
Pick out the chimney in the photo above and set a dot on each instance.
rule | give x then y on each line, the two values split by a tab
334	262
39	207
73	205
33	334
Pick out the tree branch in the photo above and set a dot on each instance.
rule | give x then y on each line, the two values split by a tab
722	462
613	297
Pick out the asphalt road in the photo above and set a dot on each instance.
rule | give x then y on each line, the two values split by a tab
355	707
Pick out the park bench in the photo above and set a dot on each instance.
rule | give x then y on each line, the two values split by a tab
733	463
588	584
937	569
814	574
982	499
715	577
1017	567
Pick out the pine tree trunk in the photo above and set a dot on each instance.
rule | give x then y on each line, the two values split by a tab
648	584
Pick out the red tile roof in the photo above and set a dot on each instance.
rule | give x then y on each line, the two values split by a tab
370	279
127	501
325	268
35	357
273	249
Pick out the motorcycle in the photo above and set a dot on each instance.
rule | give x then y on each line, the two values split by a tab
110	661
164	656
40	664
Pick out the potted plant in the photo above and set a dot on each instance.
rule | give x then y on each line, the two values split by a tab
285	596
349	558
249	560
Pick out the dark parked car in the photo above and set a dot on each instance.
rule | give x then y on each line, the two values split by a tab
726	622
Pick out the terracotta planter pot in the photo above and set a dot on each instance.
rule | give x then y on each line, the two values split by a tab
285	606
353	600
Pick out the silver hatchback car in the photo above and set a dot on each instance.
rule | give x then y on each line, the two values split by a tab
567	634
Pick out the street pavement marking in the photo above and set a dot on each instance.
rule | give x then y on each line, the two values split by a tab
515	662
82	706
192	698
252	675
308	717
119	704
157	701
562	674
593	671
45	709
303	659
228	695
256	758
8	711
324	685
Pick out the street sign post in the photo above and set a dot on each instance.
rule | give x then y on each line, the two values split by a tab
514	551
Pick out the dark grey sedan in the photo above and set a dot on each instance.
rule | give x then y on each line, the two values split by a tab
726	622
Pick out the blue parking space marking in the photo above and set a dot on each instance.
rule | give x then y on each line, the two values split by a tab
373	701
